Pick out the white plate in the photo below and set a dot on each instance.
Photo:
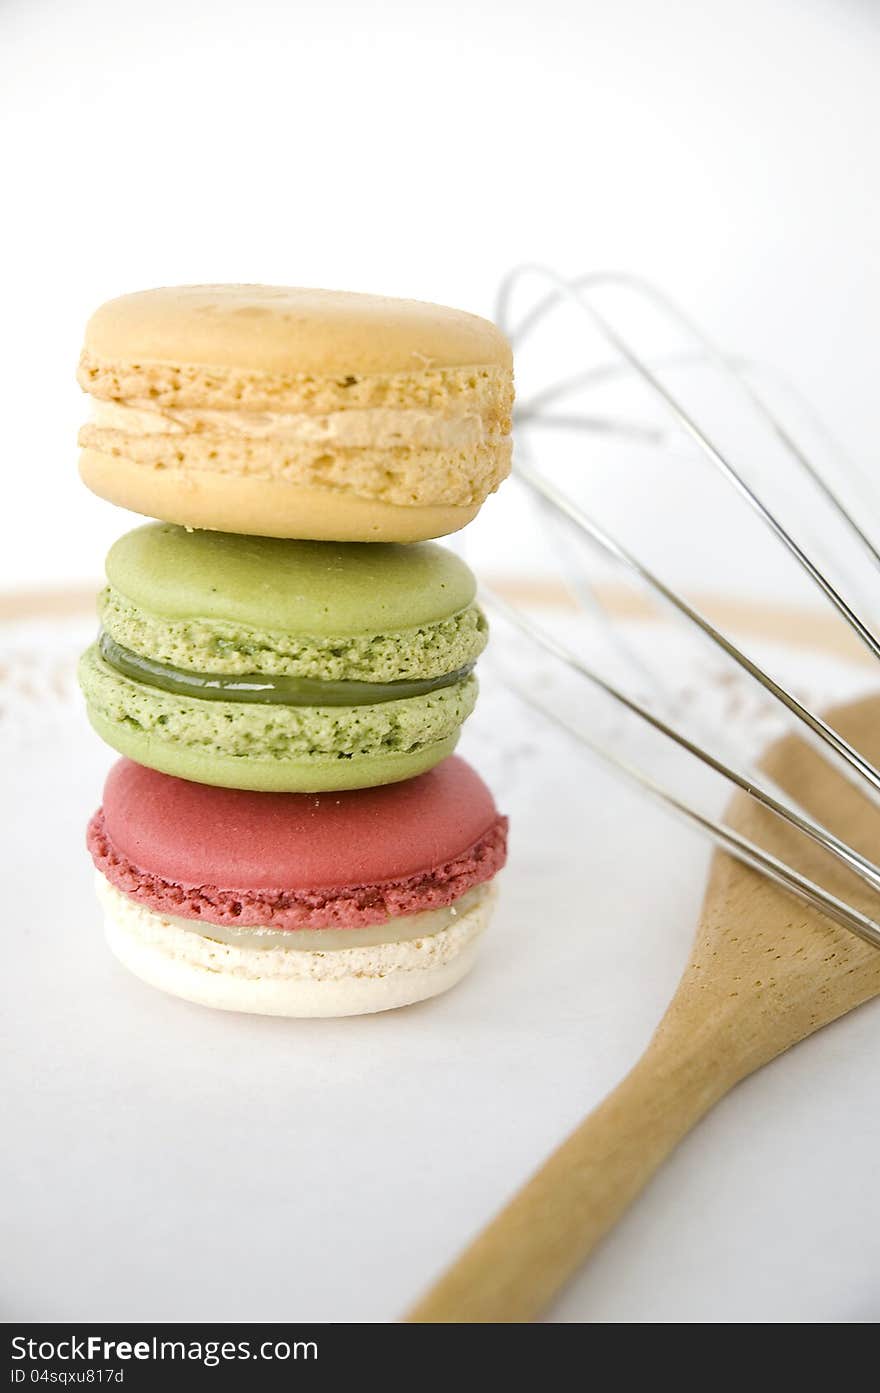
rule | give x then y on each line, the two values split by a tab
164	1162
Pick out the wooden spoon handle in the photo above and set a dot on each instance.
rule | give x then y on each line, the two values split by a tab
516	1266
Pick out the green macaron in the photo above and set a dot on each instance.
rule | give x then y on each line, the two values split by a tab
253	662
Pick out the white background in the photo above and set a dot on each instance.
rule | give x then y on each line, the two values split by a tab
165	1162
176	1162
725	148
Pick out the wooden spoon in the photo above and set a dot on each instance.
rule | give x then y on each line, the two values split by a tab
764	973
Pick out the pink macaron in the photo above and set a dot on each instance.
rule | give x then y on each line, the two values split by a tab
297	904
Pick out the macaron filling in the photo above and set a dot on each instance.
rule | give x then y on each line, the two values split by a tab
283	690
351	428
260	745
354	906
406	928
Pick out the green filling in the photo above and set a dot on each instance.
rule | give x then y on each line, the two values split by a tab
269	690
187	736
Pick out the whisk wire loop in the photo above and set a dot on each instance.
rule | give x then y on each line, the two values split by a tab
830	743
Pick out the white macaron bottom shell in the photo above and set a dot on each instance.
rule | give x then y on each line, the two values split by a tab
289	982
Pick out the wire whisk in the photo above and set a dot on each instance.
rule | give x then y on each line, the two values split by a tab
548	410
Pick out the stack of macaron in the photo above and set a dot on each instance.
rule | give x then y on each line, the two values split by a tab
285	658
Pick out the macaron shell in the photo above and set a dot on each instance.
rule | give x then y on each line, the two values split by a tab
269	775
290	329
194	834
223	648
299	587
264	507
364	905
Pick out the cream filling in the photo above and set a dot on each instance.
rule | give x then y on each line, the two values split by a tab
377	426
404	929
